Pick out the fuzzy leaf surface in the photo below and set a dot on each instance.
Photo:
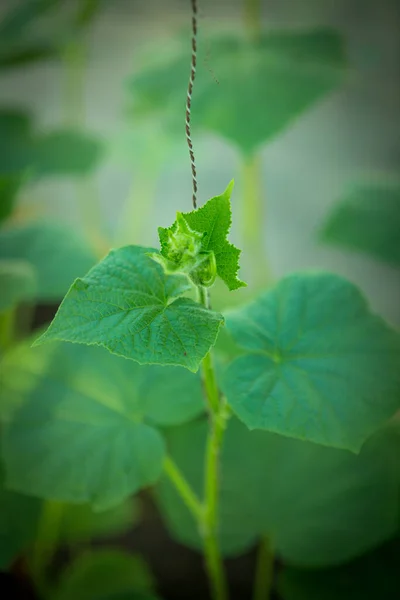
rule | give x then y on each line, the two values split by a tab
214	219
367	220
318	365
128	305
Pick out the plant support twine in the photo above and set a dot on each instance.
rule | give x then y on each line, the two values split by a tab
189	100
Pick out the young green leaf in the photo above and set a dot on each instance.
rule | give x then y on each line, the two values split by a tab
205	231
128	305
57	255
74	426
321	506
106	575
319	366
368	220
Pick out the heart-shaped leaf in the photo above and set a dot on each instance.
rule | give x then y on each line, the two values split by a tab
318	366
74	428
262	85
128	305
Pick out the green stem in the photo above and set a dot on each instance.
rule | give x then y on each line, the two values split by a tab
45	544
264	570
218	417
183	488
252	17
253	217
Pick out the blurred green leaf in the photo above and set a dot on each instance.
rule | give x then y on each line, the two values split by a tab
18	522
106	575
321	506
80	522
375	575
367	220
65	153
262	86
56	253
319	365
60	152
74	427
128	305
17	282
15	22
30	53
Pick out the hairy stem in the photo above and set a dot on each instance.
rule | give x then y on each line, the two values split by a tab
264	570
183	488
218	416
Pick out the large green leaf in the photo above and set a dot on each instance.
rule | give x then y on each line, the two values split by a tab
18	522
262	85
320	505
367	220
56	253
74	428
318	366
128	305
375	575
106	575
17	282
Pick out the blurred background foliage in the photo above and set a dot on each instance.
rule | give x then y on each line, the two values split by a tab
297	101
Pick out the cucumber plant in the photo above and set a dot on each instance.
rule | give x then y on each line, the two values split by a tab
284	435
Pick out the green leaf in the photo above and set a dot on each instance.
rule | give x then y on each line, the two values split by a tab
18	521
262	86
320	505
367	220
319	365
55	252
65	153
106	575
60	152
17	282
213	220
374	575
80	522
170	395
128	305
74	428
18	56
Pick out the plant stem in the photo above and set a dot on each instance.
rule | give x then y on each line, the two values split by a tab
252	17
264	570
253	218
218	416
183	488
46	541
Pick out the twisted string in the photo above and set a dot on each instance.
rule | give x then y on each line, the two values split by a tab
189	100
